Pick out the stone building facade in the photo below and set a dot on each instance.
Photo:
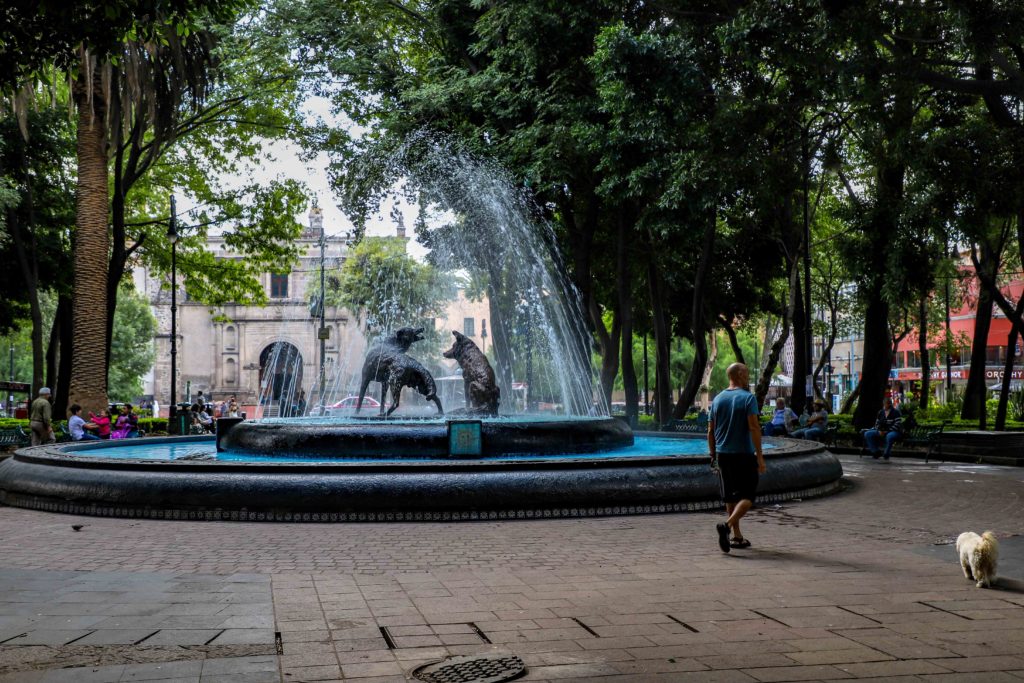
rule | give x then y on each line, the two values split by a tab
265	352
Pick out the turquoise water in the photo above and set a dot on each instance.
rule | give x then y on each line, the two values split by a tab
643	446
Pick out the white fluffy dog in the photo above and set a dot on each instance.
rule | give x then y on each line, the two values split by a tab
979	556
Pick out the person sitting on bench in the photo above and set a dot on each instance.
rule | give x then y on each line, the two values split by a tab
888	426
784	420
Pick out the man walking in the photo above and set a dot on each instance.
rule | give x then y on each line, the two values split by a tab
40	419
734	442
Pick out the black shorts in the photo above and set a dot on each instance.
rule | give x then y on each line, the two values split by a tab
739	476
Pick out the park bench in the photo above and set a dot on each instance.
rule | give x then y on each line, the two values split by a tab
696	426
831	434
929	438
14	437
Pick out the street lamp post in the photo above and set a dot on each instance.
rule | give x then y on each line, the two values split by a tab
808	315
647	396
10	394
172	236
323	328
949	357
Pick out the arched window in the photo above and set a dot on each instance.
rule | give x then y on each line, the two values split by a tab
230	371
332	340
230	338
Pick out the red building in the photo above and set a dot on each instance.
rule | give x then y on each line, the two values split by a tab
907	361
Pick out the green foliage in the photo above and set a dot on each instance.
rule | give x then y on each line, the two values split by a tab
1016	407
387	289
153	425
37	35
132	352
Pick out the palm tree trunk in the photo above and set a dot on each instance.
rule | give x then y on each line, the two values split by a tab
91	246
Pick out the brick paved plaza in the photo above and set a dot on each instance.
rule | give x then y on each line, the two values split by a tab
860	585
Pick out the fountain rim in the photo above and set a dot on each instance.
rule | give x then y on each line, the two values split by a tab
65	455
53	479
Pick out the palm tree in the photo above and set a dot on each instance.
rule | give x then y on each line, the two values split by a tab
129	112
88	385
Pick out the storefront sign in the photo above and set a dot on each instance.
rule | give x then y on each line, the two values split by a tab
998	374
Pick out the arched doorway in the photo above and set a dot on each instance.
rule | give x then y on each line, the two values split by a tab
281	379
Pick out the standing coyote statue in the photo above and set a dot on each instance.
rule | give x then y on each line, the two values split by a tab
482	392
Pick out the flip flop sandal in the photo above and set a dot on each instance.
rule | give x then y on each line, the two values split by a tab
739	543
723	536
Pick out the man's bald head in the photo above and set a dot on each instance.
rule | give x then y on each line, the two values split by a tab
738	374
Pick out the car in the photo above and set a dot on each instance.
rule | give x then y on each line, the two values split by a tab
347	405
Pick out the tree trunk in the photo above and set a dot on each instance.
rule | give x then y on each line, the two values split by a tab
976	391
66	352
662	344
1011	356
608	346
798	393
737	352
709	367
629	384
91	246
922	350
700	358
118	250
826	353
28	265
776	351
499	341
877	359
53	351
850	400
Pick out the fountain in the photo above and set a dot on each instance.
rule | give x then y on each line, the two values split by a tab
495	458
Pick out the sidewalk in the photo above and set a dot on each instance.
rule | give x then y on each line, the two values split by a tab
864	584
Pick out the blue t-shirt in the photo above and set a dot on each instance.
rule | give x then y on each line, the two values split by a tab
729	412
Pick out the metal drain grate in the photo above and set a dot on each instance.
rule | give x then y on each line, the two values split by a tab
472	669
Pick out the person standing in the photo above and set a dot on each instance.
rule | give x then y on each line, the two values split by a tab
734	443
887	426
40	419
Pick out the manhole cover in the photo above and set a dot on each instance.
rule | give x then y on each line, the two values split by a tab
472	669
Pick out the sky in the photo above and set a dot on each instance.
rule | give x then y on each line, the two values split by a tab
287	163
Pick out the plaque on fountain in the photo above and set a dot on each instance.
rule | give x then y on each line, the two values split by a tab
465	438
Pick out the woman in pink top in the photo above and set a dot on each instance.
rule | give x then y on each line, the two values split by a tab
102	423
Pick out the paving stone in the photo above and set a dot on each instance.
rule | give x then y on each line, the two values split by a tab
797	673
850	582
312	673
48	637
369	669
238	665
244	636
150	672
95	674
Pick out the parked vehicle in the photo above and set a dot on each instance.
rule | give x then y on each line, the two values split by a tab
347	406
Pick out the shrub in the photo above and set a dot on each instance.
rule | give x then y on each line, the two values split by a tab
153	425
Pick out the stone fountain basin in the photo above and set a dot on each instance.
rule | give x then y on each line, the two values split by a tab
60	478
